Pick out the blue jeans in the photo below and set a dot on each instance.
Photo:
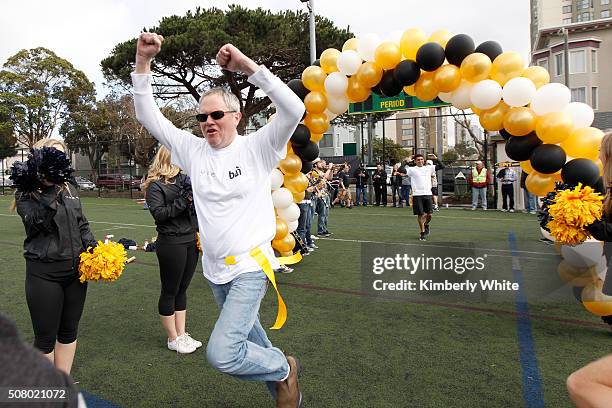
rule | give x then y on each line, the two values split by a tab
361	193
406	194
323	212
479	192
531	203
238	345
305	222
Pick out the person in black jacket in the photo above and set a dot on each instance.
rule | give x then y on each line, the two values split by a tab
361	184
170	200
379	179
57	232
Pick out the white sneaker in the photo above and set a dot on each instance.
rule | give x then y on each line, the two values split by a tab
193	341
511	211
503	210
181	345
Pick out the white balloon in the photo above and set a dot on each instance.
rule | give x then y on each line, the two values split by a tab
395	36
519	91
330	115
337	104
553	97
289	214
367	46
486	94
293	225
276	179
581	113
445	96
336	84
282	198
583	255
348	62
460	97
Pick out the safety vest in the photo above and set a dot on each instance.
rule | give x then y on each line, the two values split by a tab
479	178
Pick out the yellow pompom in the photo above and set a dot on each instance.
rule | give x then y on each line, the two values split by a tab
571	211
198	243
106	262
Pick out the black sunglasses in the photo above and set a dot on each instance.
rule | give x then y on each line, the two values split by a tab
216	115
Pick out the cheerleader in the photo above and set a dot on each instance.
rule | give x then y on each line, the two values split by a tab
169	198
57	232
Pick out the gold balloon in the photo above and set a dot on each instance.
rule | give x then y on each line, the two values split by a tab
556	176
369	74
291	164
425	87
538	75
286	253
447	78
595	301
295	183
476	67
328	60
409	90
476	110
299	196
315	102
526	166
540	184
282	228
289	147
493	119
554	127
387	55
350	44
411	41
316	122
578	277
355	91
507	66
285	244
520	121
316	137
441	37
313	78
583	143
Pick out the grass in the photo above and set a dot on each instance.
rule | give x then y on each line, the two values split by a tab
357	350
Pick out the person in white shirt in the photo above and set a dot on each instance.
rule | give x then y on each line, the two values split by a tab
422	202
231	192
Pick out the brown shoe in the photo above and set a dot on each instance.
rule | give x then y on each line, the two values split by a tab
288	394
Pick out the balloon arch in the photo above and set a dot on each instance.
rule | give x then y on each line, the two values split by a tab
549	135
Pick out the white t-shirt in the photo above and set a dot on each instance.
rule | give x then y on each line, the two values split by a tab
420	179
231	186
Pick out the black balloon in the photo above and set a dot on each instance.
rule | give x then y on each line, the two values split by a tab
389	86
430	56
301	136
599	186
519	148
317	62
376	89
505	134
459	47
407	72
298	88
580	171
491	49
548	158
306	167
308	152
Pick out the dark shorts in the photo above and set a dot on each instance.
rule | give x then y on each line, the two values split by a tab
422	205
434	191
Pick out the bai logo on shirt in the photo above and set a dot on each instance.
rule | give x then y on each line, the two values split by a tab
234	174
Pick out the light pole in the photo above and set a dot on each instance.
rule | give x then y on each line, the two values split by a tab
313	42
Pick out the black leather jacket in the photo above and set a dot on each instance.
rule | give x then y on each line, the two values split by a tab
171	210
56	229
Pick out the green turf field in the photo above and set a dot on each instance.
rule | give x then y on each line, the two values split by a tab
356	350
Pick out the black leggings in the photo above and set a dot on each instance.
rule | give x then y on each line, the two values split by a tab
177	262
55	309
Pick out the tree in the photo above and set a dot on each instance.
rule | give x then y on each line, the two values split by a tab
8	141
450	155
466	152
465	123
38	87
394	153
186	64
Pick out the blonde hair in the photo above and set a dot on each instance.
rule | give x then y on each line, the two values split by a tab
161	168
44	142
606	161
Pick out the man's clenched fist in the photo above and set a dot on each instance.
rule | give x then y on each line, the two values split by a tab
149	44
233	60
